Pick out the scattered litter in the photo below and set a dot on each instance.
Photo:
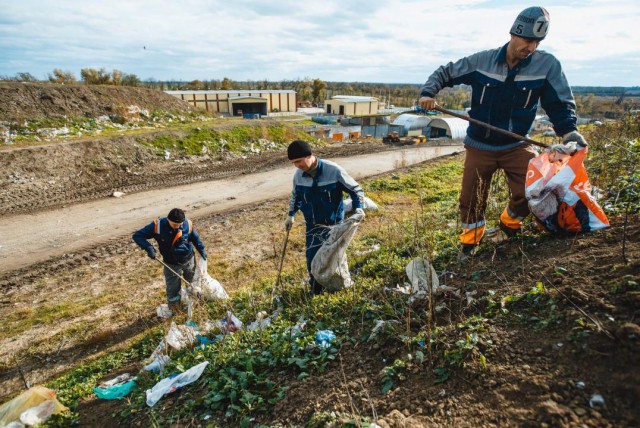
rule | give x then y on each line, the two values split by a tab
262	321
421	282
442	393
203	341
596	400
180	336
229	324
324	338
13	410
381	325
299	327
186	300
470	298
167	154
117	388
38	414
373	249
163	311
558	346
158	363
171	384
580	385
125	377
118	194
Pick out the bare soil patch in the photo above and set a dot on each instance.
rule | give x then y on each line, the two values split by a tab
534	377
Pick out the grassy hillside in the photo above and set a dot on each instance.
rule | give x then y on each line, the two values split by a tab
529	319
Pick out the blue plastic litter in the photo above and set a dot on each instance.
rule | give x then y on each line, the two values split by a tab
324	338
115	392
204	341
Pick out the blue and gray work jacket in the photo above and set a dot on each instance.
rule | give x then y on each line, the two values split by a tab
320	197
176	245
508	99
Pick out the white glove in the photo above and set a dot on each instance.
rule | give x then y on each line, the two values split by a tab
358	215
575	136
289	223
566	149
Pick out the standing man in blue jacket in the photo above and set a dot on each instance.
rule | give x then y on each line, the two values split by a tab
175	237
318	186
507	85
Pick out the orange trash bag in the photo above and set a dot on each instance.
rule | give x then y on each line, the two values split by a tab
16	409
559	193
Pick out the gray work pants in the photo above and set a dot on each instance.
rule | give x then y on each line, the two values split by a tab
186	269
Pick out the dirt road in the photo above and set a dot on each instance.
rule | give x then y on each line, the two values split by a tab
56	232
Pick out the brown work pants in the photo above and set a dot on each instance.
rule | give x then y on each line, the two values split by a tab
479	167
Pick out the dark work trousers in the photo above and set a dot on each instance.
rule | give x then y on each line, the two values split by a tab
186	269
479	167
315	237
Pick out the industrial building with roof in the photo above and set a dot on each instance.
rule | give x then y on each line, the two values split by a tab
241	102
348	105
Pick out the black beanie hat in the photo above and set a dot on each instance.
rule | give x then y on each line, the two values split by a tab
176	215
298	149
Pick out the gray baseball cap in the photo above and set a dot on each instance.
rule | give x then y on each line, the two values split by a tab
532	23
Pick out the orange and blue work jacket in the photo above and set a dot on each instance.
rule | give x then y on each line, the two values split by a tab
176	245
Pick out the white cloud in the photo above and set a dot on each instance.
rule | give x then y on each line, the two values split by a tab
385	41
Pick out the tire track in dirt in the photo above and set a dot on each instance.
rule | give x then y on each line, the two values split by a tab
25	198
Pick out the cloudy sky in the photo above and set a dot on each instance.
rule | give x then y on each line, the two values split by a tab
401	41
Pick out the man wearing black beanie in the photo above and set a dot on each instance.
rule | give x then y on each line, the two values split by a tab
175	237
318	186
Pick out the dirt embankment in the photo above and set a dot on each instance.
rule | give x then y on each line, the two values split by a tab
22	101
61	174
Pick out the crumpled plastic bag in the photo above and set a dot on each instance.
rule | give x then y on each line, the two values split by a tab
229	323
180	336
39	414
262	321
117	388
11	411
163	311
368	205
423	278
171	384
324	338
329	266
158	363
204	286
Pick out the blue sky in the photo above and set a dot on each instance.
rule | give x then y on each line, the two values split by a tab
393	41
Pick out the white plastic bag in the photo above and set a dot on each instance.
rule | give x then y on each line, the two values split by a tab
38	414
368	204
163	311
204	286
169	385
158	363
420	280
329	266
423	277
262	321
180	336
